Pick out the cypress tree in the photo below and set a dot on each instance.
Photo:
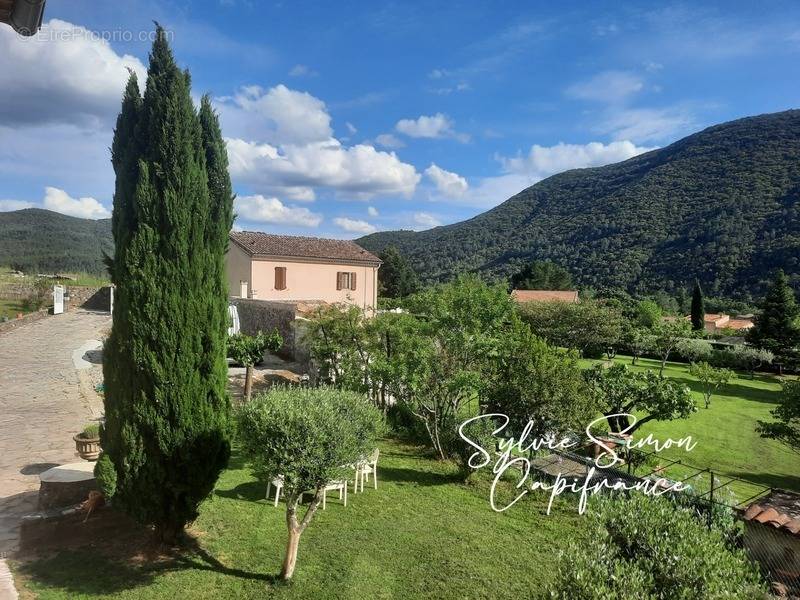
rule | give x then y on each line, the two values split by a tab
167	411
776	328
698	308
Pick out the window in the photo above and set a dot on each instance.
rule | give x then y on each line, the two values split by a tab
345	281
280	278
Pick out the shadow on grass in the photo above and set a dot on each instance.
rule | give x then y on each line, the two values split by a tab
250	490
786	482
733	389
422	478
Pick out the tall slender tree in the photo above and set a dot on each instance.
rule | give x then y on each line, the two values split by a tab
698	308
776	328
167	411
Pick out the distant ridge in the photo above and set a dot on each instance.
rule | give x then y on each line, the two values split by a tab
720	205
38	240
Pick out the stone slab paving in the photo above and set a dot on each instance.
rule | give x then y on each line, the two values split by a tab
46	396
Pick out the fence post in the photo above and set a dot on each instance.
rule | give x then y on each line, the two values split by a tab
711	500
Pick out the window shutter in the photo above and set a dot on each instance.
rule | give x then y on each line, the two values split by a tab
352	281
338	281
280	278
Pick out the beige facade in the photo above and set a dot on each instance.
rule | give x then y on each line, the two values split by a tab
304	279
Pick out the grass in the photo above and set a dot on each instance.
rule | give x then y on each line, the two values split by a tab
80	279
727	442
422	534
11	308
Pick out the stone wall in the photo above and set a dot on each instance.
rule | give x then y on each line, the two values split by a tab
90	298
25	319
266	315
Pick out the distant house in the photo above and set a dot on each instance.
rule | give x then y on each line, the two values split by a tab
25	16
772	537
262	266
716	322
569	296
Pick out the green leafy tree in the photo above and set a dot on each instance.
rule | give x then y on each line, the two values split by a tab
530	381
166	406
667	335
710	378
786	427
542	275
638	340
588	325
648	313
698	308
248	351
646	548
776	328
308	436
396	277
618	390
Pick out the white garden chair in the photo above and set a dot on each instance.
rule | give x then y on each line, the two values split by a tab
339	485
366	468
276	481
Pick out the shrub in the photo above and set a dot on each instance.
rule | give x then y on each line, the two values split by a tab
309	436
480	432
106	476
649	548
248	350
90	432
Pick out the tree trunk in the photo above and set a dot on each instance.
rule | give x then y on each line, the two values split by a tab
290	560
663	364
633	360
248	382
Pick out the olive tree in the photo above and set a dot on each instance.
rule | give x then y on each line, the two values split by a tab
308	436
710	378
667	336
248	350
748	358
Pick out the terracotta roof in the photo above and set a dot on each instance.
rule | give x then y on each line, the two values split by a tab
739	324
780	509
545	296
257	243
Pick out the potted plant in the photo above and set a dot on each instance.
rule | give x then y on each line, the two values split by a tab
87	442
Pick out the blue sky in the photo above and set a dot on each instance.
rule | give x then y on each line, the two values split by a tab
350	117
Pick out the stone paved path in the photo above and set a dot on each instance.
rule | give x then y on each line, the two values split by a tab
46	396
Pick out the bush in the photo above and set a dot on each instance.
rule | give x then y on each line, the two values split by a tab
91	431
106	476
650	548
480	432
248	350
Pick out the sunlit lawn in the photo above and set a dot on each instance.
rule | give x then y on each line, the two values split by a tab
725	433
422	534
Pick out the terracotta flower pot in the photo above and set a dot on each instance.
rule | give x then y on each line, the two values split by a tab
88	448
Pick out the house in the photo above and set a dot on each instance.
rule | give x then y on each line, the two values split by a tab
716	322
570	296
262	266
25	16
772	537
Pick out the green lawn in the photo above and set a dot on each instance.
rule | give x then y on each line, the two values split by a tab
725	433
422	534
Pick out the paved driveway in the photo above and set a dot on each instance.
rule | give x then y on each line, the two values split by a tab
47	373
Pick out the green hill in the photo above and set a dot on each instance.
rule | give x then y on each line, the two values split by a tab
36	240
720	205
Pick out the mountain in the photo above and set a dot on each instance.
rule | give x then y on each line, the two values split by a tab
36	240
720	205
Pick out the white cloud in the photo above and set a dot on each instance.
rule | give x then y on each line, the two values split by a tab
372	211
388	140
9	205
609	86
361	170
426	220
65	74
448	183
647	124
302	71
271	210
351	129
85	208
278	115
543	161
355	225
433	126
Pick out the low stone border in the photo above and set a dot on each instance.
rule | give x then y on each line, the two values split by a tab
24	320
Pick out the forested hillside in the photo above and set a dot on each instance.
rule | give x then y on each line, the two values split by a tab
36	240
720	205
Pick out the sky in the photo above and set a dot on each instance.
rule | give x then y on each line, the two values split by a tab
344	118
